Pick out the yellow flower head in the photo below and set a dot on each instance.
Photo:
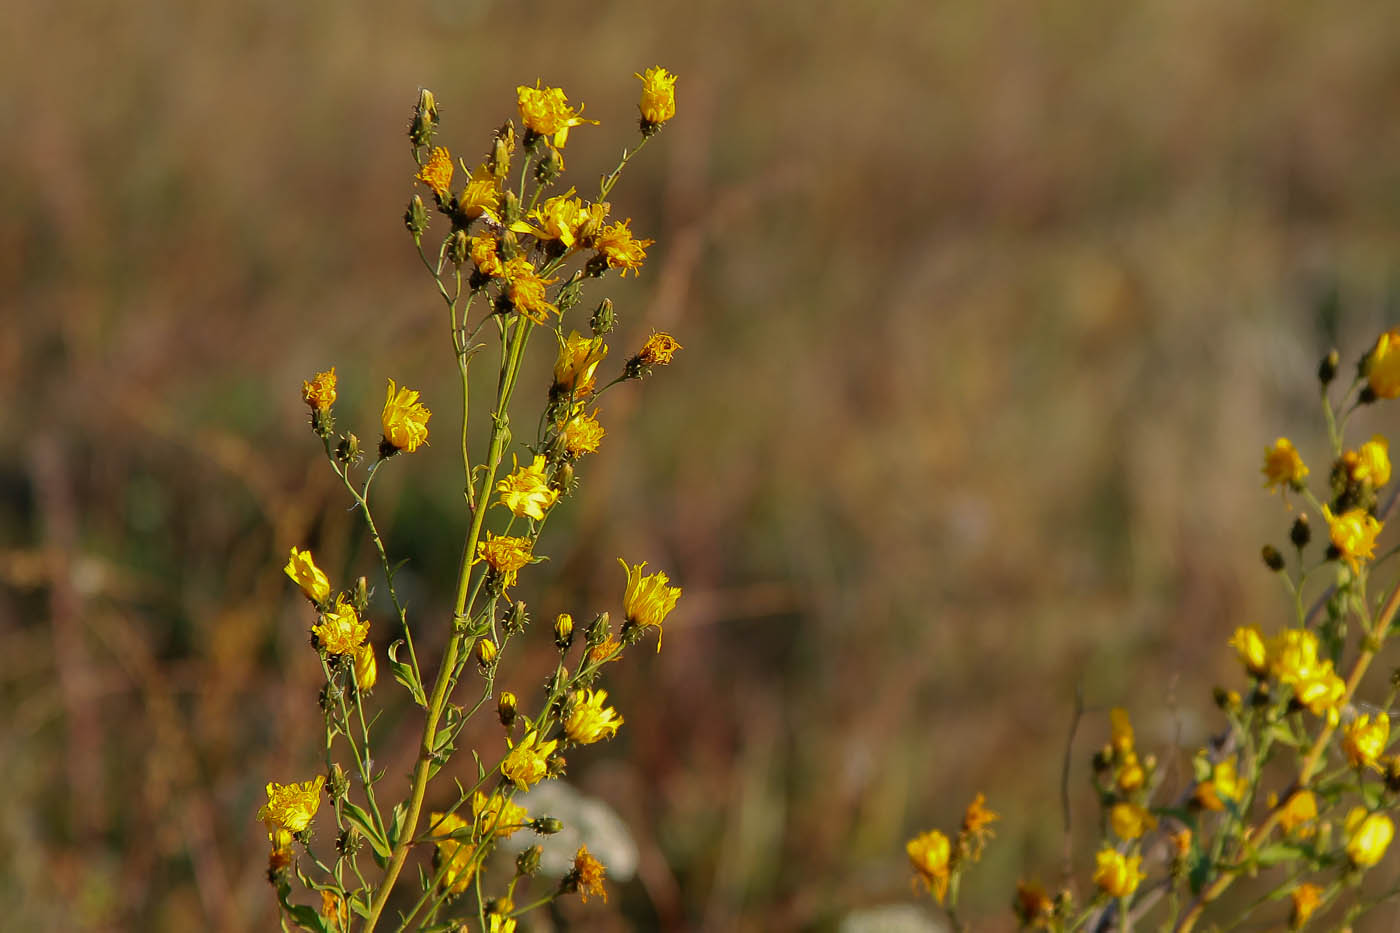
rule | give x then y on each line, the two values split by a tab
340	631
590	721
526	490
485	252
1370	464
1321	693
620	249
456	857
481	196
1248	642
499	923
976	826
558	218
591	221
1224	784
366	668
1383	365
1368	836
1034	908
1180	842
335	910
648	599
546	111
404	419
929	854
658	350
526	763
1130	821
1122	730
505	555
1293	655
1131	775
658	102
609	650
582	433
1353	534
577	362
1117	875
1300	813
436	173
291	807
497	815
319	393
1283	466
526	290
304	572
1307	897
1364	740
588	875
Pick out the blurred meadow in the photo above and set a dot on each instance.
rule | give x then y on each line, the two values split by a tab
989	311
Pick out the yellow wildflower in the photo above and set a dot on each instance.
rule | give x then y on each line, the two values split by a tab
620	249
1364	740
456	857
577	362
335	910
975	826
1033	906
319	393
588	875
1300	813
526	763
1131	775
505	555
340	630
1180	842
481	196
484	251
929	854
1293	655
405	420
436	173
1307	897
591	222
546	111
526	490
1370	464
1383	365
590	721
291	807
558	218
1121	726
658	103
1248	642
648	599
1353	534
304	572
1368	836
500	923
1283	466
1130	821
1321	693
526	290
497	814
605	651
658	350
1117	875
366	668
582	433
1224	784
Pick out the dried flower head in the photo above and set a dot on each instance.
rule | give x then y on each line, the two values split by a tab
658	350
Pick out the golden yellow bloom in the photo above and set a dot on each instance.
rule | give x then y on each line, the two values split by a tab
304	572
505	555
1370	464
658	102
1224	784
1307	897
658	350
975	826
291	807
366	668
1180	842
319	393
525	765
1299	813
1353	534
929	854
1282	465
456	858
1117	875
497	815
1248	642
1130	821
481	196
526	490
405	421
1131	775
340	630
484	251
335	910
1121	726
582	433
1293	655
605	651
1368	836
1364	740
590	721
546	111
648	599
595	213
1033	906
558	218
577	362
1383	365
620	249
436	173
500	923
588	875
526	290
1322	693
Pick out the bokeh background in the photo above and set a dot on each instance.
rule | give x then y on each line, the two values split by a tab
989	310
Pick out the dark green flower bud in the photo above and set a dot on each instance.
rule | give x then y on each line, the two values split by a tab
416	217
1327	369
1272	558
1300	534
603	319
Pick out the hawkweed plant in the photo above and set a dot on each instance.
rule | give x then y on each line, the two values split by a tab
1293	802
515	258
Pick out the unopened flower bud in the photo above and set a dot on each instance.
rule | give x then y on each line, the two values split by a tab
598	630
416	217
549	167
359	595
603	319
348	450
555	766
425	119
1227	700
569	294
1300	534
485	653
545	825
366	667
458	247
528	862
338	785
564	631
1327	369
505	708
1272	558
510	213
498	162
518	618
500	905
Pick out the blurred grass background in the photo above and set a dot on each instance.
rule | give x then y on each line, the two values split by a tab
989	311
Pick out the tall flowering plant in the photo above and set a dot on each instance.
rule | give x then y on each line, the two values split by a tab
1295	799
513	262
